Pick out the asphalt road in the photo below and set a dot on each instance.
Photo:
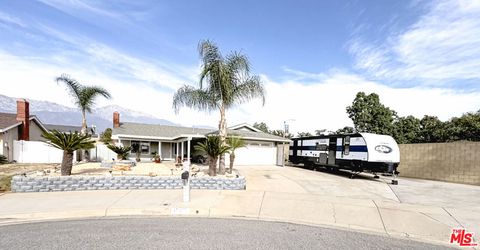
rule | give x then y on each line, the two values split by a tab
189	233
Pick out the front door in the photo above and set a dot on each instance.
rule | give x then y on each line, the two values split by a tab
332	150
280	154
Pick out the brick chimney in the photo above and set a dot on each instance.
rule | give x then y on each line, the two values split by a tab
23	116
116	119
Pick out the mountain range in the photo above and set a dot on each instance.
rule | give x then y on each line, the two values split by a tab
54	113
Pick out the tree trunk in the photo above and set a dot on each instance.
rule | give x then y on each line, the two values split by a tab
84	123
212	165
232	158
222	132
67	162
84	132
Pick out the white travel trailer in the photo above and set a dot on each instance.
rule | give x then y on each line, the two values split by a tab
360	152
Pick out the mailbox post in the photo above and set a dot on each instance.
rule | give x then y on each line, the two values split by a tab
186	186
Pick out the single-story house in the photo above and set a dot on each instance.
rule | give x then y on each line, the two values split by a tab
19	126
170	142
70	129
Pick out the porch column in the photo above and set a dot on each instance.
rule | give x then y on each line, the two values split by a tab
182	149
171	150
160	149
188	151
177	148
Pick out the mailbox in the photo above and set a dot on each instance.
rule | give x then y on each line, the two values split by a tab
185	175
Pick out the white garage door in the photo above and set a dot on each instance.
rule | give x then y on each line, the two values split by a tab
255	155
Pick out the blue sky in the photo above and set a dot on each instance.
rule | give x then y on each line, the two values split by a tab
418	55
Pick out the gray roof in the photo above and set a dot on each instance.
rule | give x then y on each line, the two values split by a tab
131	129
154	130
7	120
254	135
63	128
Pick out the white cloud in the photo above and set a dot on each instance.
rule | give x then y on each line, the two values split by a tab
322	105
316	105
107	60
8	19
444	44
79	7
29	77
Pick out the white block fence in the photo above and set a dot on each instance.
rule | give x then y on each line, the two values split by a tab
40	152
36	152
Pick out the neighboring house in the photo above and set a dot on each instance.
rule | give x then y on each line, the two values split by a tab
173	141
19	126
70	129
63	128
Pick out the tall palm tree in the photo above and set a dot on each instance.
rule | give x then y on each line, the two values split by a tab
83	96
224	83
234	142
213	147
68	142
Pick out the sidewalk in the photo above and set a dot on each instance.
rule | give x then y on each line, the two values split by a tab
281	196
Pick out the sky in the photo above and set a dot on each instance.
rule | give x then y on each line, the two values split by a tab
421	57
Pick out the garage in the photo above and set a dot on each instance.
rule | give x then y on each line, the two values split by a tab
255	154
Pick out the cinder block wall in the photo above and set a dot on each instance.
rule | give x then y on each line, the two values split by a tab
78	183
454	162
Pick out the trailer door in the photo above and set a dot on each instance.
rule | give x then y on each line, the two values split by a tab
332	150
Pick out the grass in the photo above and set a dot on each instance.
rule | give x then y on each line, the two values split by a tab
5	181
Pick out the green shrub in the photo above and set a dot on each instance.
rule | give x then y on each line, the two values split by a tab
3	159
122	152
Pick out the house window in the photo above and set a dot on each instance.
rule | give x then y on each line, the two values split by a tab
143	147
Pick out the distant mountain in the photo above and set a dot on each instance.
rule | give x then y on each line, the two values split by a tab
54	113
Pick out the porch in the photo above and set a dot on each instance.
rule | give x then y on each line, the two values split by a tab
168	150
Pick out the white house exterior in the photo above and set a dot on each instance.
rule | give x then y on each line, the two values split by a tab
171	142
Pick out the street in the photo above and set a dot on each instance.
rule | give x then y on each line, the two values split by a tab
190	233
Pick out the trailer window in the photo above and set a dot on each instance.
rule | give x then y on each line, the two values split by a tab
346	145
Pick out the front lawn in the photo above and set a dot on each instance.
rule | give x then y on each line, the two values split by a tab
9	170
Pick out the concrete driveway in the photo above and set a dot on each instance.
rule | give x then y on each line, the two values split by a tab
364	186
415	207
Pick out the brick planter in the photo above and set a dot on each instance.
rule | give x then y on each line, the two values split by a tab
77	183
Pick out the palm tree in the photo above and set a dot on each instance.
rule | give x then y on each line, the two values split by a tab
213	147
83	96
228	83
68	142
234	142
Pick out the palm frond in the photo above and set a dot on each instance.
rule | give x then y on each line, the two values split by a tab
84	96
211	58
74	88
68	141
195	98
238	63
249	89
235	142
228	81
88	95
122	152
212	146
